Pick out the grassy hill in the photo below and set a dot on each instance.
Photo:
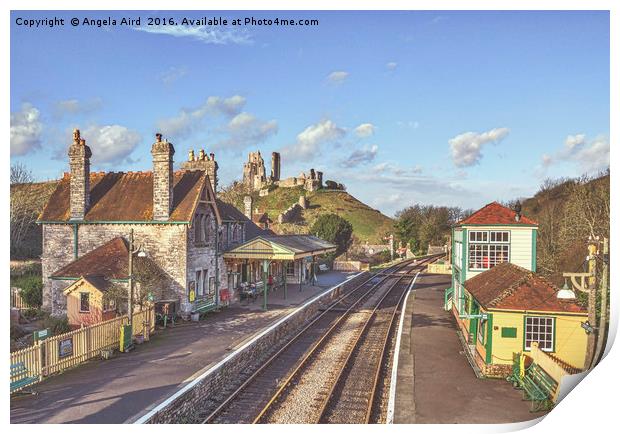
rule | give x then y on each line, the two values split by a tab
368	223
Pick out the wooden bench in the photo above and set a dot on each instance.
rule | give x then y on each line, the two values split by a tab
538	387
20	377
204	305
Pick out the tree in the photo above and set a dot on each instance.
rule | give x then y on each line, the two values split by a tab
20	174
335	229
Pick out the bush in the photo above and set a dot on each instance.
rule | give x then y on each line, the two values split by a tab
56	324
31	287
334	229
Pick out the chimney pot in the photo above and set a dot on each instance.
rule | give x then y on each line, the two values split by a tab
158	137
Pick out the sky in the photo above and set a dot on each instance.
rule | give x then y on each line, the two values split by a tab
434	107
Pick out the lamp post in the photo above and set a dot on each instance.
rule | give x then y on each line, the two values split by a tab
265	270
142	254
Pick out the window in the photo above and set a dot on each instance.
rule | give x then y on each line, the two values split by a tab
290	268
198	283
482	330
205	281
488	248
84	302
212	285
205	228
197	229
539	329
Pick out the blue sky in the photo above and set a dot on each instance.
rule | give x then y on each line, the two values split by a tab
446	108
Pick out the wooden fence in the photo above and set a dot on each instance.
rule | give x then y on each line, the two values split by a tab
351	266
439	268
17	301
61	352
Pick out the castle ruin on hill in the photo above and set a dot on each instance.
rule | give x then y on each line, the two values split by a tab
255	175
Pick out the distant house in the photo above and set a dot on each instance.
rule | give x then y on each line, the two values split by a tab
175	215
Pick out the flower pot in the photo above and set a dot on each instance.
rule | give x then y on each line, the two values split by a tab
139	339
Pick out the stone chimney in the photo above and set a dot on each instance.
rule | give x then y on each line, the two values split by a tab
203	162
247	210
79	162
162	153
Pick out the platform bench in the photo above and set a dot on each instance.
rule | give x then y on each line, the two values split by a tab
205	305
19	370
538	387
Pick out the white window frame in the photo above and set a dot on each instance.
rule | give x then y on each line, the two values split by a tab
546	344
482	240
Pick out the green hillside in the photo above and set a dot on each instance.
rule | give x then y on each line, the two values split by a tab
368	223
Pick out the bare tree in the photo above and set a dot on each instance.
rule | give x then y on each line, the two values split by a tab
20	174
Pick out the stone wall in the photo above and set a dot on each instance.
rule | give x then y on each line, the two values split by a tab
165	244
492	370
203	256
292	214
208	388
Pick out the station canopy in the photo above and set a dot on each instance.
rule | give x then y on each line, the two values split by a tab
280	248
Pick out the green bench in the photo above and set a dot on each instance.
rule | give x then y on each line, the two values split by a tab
538	387
20	377
204	305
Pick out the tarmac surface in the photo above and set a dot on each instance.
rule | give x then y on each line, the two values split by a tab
435	382
122	388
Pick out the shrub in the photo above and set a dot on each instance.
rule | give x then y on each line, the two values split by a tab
31	287
56	324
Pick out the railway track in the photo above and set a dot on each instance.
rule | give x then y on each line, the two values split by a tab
347	317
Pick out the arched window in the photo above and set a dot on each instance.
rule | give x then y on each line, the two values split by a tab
206	228
197	229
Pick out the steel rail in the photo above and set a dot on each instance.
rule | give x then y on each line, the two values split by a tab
256	373
326	335
354	347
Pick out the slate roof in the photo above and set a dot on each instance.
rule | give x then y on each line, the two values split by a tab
299	243
99	282
508	286
110	260
494	213
118	196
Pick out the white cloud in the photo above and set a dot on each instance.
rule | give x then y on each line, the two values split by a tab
391	65
310	140
246	130
467	147
365	130
204	34
77	107
26	128
172	74
408	124
188	120
590	157
110	144
360	156
337	77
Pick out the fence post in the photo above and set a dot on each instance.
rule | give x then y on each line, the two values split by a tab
39	360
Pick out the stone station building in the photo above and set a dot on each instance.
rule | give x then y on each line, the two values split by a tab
176	218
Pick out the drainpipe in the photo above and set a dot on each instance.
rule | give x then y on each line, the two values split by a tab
217	273
75	241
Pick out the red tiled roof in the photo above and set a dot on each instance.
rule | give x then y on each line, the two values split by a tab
110	260
117	196
494	213
508	286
